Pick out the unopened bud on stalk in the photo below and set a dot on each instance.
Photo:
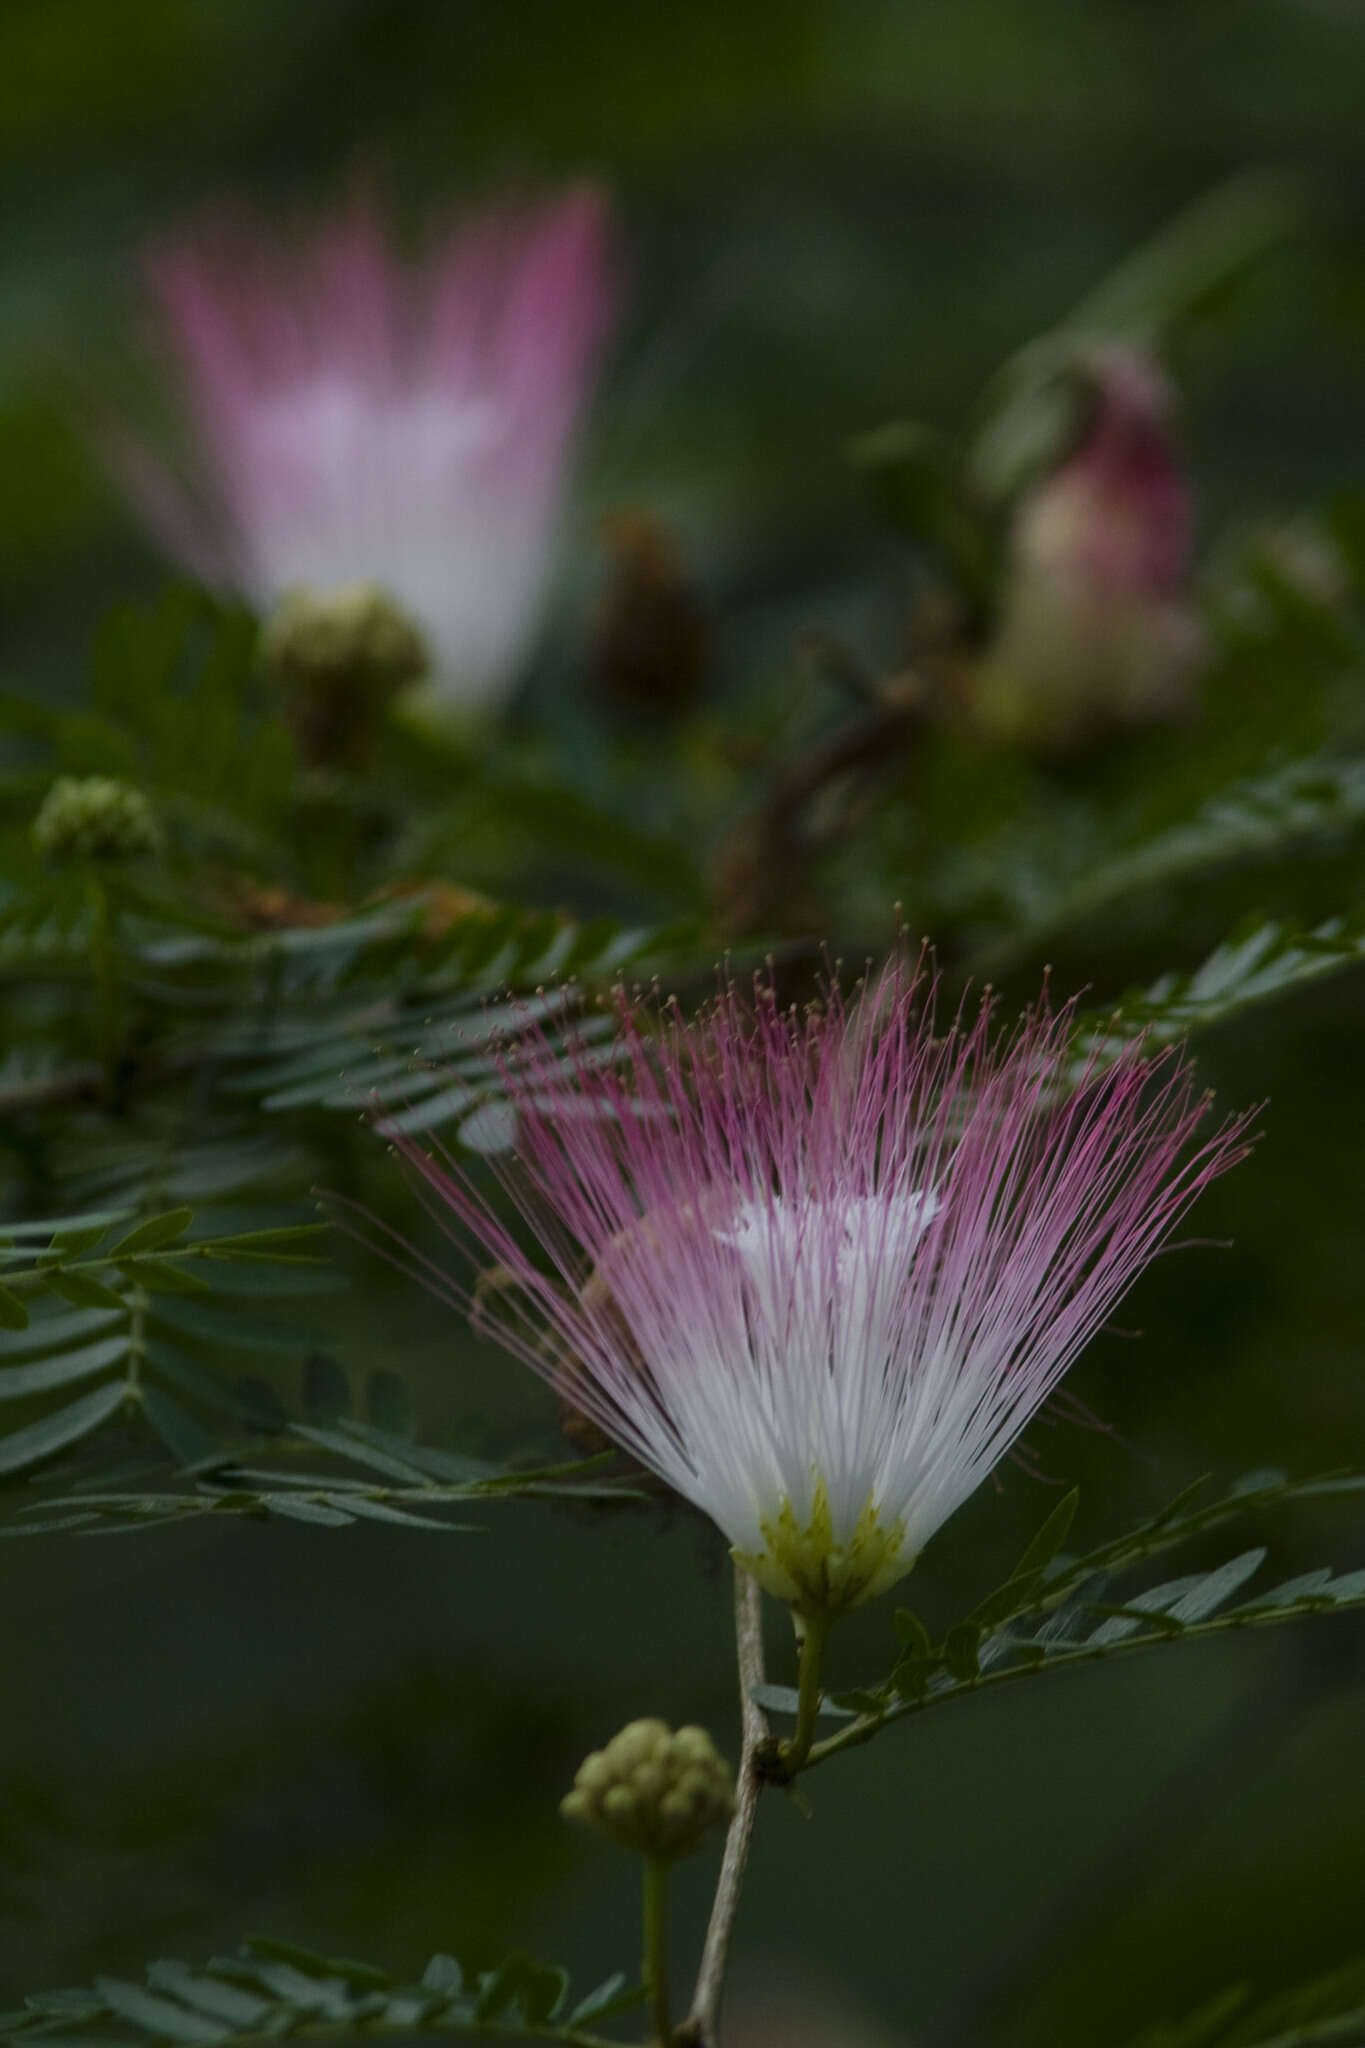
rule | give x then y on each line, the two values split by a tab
651	639
341	654
95	818
1097	627
653	1790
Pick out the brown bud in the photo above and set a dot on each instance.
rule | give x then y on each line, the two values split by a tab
651	640
339	656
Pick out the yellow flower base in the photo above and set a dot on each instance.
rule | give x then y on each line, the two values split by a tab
812	1573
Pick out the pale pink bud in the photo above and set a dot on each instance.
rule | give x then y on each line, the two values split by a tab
1097	628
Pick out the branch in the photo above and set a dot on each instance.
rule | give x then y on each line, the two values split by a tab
864	1726
88	1083
761	862
699	2028
84	1083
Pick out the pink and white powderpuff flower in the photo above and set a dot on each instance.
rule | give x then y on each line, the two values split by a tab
817	1270
356	419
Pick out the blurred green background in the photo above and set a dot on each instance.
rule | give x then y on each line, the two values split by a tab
832	214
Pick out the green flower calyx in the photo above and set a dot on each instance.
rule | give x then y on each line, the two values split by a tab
804	1566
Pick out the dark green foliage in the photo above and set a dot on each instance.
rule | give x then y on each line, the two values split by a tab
175	711
111	1298
1157	299
1328	2009
300	1481
273	1988
187	1029
146	1311
432	1063
1257	963
1261	815
1059	1612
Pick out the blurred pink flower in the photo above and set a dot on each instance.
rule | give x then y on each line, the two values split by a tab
817	1270
356	419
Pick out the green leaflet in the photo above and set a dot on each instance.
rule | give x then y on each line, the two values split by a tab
1256	964
153	1234
13	1314
57	1431
18	1382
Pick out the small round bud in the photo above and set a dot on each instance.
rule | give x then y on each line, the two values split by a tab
595	1774
355	632
693	1744
95	818
652	1790
340	654
637	1742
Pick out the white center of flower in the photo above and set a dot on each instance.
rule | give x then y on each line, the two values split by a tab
418	491
823	1278
333	424
822	1286
854	1231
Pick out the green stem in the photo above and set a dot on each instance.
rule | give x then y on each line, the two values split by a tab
656	1947
795	1752
137	1339
104	970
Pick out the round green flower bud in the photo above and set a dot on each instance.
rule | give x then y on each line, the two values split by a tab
95	818
654	1790
354	634
340	654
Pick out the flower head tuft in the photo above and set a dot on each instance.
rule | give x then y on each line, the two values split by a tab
356	419
653	1789
95	818
817	1270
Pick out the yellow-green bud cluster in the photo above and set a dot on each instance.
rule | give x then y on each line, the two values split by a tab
95	818
653	1790
354	635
